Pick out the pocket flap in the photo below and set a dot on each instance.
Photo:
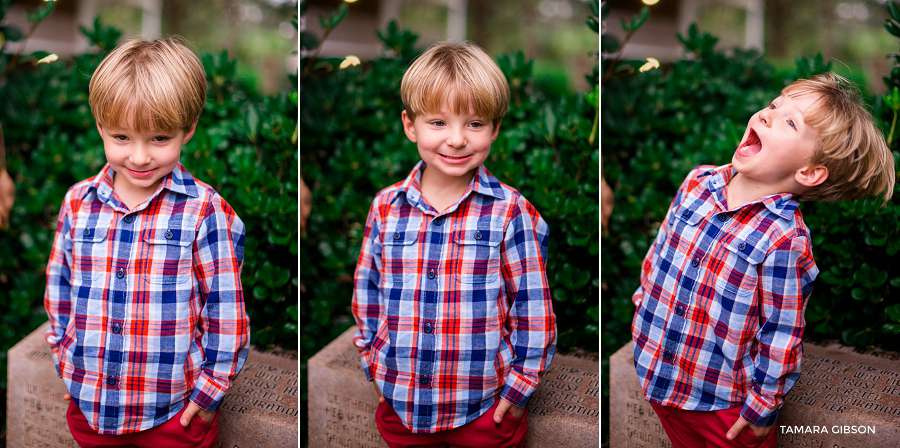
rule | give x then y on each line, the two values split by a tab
482	236
172	237
747	250
692	217
402	233
89	234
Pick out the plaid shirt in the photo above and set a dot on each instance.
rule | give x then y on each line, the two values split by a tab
719	317
145	305
453	306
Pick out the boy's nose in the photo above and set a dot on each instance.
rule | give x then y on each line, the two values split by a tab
456	139
140	155
764	116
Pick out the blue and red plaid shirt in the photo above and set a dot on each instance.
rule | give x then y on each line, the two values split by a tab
719	316
145	305
454	306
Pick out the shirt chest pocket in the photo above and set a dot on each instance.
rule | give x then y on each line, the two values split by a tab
740	278
169	254
90	250
478	254
400	257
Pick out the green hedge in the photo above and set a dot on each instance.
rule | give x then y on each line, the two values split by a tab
353	145
659	124
244	147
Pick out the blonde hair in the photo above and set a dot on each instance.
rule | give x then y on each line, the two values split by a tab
148	85
461	73
849	144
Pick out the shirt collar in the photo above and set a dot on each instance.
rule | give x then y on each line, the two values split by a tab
177	181
781	204
483	182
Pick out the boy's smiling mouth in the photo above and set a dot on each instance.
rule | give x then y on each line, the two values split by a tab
751	146
452	159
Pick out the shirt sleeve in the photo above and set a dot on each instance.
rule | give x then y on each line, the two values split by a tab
367	292
523	257
657	246
57	294
786	281
218	257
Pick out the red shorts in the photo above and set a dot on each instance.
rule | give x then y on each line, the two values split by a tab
481	432
692	429
169	434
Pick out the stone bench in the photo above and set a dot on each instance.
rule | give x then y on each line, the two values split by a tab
843	399
260	410
564	411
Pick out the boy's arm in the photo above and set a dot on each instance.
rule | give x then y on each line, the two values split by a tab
657	246
786	279
57	294
218	257
367	289
523	258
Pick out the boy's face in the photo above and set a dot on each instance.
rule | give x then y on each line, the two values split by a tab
142	160
778	144
452	145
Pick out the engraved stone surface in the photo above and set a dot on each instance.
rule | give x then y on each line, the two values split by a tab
844	398
260	409
342	403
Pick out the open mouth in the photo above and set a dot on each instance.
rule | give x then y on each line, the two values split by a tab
136	173
751	146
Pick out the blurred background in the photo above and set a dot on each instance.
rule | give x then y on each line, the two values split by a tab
245	145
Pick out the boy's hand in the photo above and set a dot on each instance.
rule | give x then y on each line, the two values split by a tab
67	397
505	407
740	424
192	409
380	397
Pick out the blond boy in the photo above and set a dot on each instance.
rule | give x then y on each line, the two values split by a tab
451	294
148	326
719	316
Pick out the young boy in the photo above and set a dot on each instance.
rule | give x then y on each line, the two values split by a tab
451	294
148	327
719	316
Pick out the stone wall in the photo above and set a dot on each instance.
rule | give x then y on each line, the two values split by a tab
843	399
260	410
342	403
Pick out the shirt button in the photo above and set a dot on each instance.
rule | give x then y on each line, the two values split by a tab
668	355
428	328
112	381
742	246
87	232
129	219
396	235
695	262
477	234
431	274
723	217
679	310
438	221
169	234
424	379
120	273
117	328
686	213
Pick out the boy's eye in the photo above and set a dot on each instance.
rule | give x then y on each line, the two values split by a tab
120	138
437	123
160	138
771	105
791	124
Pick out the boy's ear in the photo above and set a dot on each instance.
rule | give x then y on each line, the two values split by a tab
811	175
190	132
99	129
408	127
496	130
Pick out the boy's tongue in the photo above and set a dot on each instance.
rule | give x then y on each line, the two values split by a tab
751	146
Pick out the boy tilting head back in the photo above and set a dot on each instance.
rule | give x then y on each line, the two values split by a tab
451	295
719	316
148	327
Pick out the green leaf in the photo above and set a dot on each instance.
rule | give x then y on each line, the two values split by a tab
12	33
859	293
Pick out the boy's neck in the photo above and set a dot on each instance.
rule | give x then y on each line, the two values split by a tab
129	194
742	190
442	191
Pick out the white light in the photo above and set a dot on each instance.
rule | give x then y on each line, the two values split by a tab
650	65
650	2
860	11
287	30
349	61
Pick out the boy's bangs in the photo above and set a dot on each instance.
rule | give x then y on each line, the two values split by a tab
136	110
459	97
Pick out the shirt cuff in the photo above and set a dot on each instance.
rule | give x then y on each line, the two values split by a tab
757	412
363	359
517	389
208	393
54	353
